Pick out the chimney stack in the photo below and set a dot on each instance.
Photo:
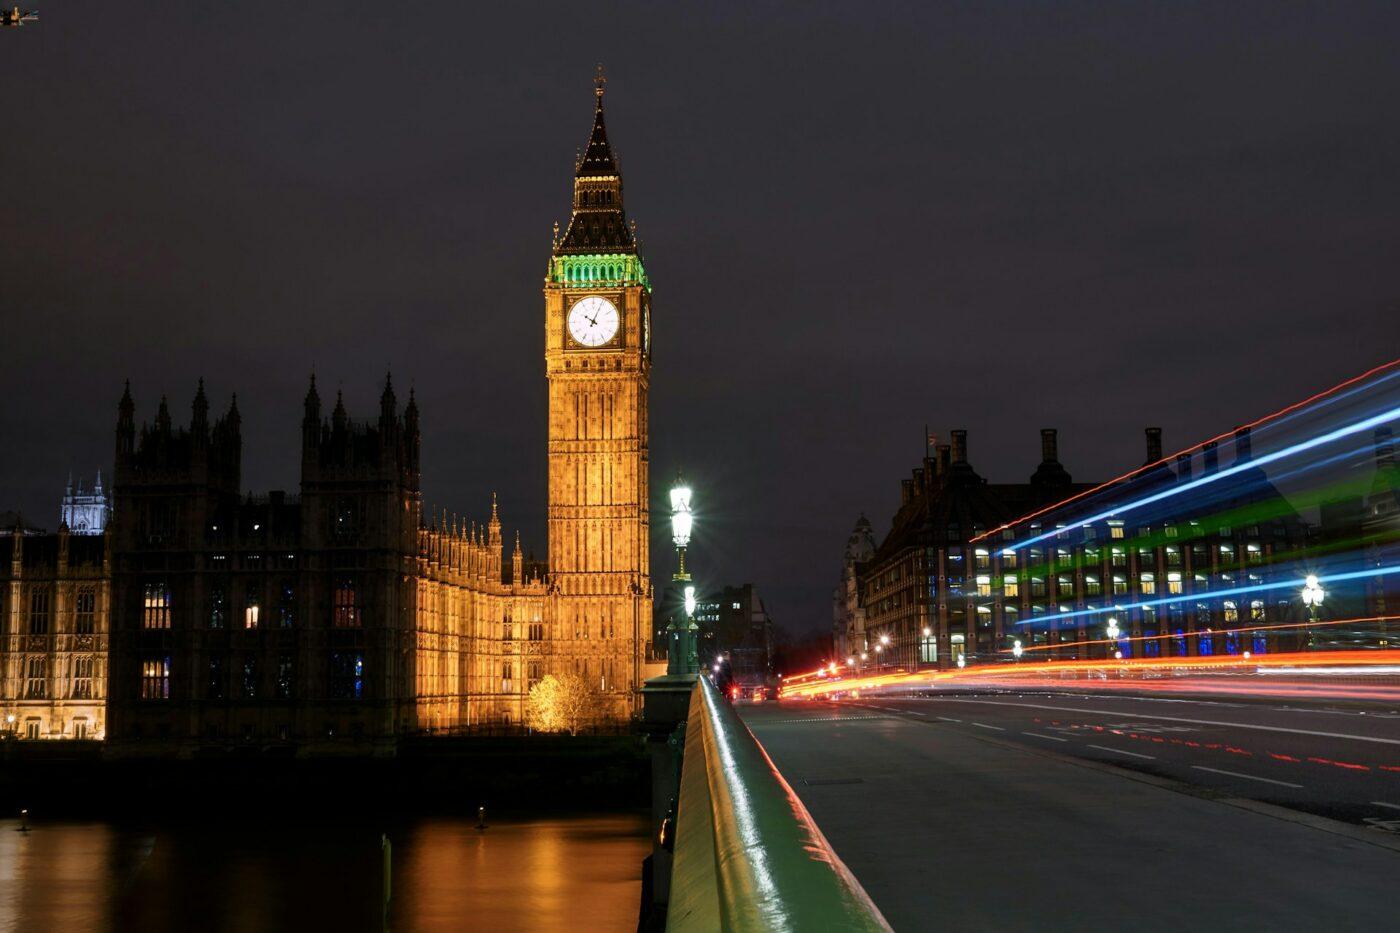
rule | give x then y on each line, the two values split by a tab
1154	445
1049	445
944	458
1212	459
1241	444
960	446
1183	467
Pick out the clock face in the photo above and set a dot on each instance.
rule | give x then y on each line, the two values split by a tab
593	321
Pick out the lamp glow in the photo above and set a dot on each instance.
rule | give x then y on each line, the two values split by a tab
689	600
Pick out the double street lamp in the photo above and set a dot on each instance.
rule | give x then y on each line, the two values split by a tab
1313	594
1113	633
682	653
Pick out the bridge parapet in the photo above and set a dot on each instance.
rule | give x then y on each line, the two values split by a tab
748	855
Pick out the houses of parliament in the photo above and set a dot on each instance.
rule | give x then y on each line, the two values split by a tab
174	612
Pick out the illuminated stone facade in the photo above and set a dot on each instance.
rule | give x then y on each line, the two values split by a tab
598	363
54	604
345	617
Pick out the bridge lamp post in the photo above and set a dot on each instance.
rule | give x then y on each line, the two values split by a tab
682	653
1313	594
1113	633
1016	649
884	643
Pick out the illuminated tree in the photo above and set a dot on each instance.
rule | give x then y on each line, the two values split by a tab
562	703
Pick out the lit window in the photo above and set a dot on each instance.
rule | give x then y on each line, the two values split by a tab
983	558
155	678
1147	583
1008	560
1256	610
85	612
82	678
1118	557
1092	585
1254	553
1232	611
156	612
345	612
36	678
1115	529
1120	584
507	678
39	611
984	586
347	675
1010	586
736	605
252	611
1174	583
1173	557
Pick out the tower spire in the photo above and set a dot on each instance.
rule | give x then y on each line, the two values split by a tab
598	223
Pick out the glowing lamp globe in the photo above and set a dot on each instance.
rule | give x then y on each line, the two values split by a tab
689	600
681	523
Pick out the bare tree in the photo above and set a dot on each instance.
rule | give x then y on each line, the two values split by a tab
562	703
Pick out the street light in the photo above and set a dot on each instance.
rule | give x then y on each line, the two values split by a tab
1313	594
681	652
1017	650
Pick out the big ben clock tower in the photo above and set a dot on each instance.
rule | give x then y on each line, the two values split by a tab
597	350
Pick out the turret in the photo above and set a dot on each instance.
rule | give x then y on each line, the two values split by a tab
162	426
126	424
199	417
517	563
311	420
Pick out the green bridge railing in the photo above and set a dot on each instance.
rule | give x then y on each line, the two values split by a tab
748	856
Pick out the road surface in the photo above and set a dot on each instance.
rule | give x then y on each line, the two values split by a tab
1043	811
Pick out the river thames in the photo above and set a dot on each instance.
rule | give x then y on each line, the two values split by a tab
518	874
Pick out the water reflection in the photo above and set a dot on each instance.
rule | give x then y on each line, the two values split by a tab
540	874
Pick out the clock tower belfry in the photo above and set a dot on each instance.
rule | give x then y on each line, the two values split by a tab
597	303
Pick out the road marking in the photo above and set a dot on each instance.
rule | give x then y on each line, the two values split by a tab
1382	803
947	719
1119	751
1199	722
983	725
1039	736
1247	777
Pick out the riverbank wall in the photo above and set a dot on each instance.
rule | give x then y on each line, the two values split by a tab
437	775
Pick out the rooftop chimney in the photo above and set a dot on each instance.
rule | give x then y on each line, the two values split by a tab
960	446
1154	445
1049	447
905	491
1241	444
1183	467
1212	459
944	458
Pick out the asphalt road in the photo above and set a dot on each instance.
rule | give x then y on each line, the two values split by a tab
1343	764
1045	811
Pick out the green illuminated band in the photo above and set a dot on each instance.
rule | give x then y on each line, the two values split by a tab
599	269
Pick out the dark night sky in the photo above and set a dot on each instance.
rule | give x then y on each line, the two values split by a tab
858	218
